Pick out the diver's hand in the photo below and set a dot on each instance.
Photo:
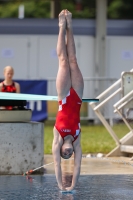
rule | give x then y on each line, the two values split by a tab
70	189
62	188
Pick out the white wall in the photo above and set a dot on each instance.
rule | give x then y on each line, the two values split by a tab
119	55
34	56
119	52
14	52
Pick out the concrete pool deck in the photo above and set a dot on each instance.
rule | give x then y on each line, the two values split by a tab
94	165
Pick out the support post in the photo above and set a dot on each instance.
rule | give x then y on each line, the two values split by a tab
100	47
55	8
100	41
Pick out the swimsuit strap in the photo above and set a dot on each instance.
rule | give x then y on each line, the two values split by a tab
13	84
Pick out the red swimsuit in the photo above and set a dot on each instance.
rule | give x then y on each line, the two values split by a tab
9	88
68	116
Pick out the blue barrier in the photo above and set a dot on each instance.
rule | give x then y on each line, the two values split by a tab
39	108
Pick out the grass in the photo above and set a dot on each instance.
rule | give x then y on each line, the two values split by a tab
94	138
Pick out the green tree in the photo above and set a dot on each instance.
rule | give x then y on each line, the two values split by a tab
87	8
41	8
33	8
120	9
117	9
37	9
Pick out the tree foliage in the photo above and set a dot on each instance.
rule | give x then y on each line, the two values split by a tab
117	9
87	8
33	8
120	9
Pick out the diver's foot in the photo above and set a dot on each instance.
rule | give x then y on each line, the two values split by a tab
62	19
68	16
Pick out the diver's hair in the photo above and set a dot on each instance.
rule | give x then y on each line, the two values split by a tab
62	155
8	67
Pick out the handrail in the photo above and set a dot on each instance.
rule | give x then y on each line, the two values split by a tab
125	103
108	89
123	99
107	99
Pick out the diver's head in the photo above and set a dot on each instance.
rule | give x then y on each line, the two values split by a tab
66	150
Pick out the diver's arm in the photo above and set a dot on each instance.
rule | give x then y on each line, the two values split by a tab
77	165
57	164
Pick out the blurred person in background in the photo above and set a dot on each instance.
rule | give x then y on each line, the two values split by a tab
8	85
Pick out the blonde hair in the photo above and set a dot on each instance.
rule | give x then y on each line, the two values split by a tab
8	67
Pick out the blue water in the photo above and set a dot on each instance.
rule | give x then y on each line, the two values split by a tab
89	187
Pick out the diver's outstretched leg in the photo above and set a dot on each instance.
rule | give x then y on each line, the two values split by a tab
63	80
76	76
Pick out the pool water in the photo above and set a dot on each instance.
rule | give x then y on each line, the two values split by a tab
44	187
